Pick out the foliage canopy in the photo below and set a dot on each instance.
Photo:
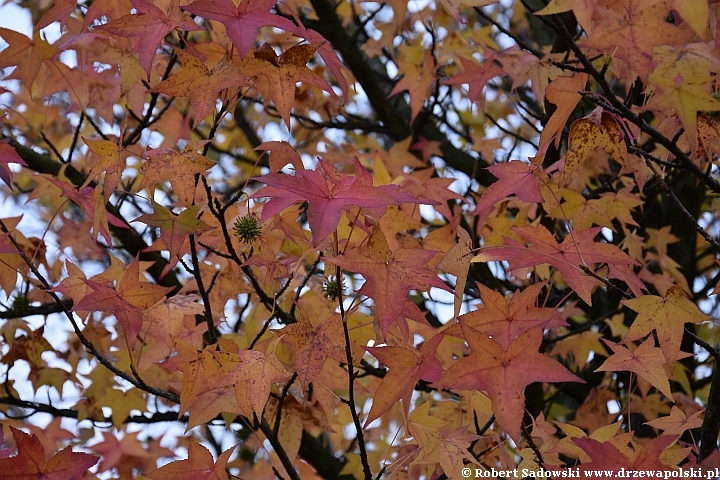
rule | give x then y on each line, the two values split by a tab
359	239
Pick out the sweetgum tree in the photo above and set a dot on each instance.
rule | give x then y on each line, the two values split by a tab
359	239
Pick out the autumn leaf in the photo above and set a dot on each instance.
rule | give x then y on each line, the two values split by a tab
577	249
201	84
8	155
91	201
126	302
174	229
417	81
585	10
151	24
282	73
504	374
60	12
677	422
632	34
563	92
606	456
28	55
680	84
667	316
128	453
389	276
457	262
504	319
406	365
30	462
177	167
281	153
199	465
476	76
109	163
328	192
201	369
598	130
438	445
253	378
646	360
424	184
514	177
312	346
242	21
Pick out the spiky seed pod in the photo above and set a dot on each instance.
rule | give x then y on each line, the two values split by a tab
247	228
20	303
333	288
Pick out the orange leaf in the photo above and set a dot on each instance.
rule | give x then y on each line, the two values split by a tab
504	374
667	316
390	275
198	466
457	262
178	167
646	360
505	319
587	134
406	366
562	92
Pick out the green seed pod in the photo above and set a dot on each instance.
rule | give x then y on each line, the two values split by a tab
20	303
333	288
247	228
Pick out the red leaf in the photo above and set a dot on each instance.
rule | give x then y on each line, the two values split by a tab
578	248
504	374
406	365
504	320
389	275
241	22
328	193
514	177
150	24
30	463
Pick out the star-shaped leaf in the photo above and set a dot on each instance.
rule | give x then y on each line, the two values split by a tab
606	456
151	24
126	302
178	167
476	76
201	84
312	346
199	465
389	275
578	249
646	360
243	21
27	54
505	319
667	316
110	163
254	377
406	365
31	463
514	178
328	193
174	229
504	374
677	422
282	73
